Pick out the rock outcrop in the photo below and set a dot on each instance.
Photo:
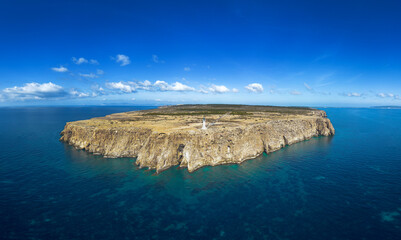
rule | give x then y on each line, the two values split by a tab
171	136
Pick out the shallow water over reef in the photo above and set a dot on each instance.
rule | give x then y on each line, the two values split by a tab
341	187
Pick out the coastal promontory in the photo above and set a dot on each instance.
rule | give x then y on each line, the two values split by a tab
194	136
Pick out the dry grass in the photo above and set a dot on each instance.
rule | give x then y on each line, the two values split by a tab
189	117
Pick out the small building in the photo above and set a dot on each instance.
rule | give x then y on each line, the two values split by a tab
204	124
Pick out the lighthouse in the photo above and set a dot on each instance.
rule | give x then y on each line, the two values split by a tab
204	124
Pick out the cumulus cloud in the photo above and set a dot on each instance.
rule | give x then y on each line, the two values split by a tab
82	60
218	89
97	90
162	86
41	91
254	87
146	85
202	90
79	60
177	86
34	91
187	69
122	59
123	87
60	69
388	95
78	94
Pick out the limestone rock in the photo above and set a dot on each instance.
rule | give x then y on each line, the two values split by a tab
170	136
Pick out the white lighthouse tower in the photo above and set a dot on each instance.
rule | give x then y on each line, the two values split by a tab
204	124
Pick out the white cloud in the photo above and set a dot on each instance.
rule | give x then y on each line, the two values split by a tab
255	87
124	87
202	90
79	94
352	94
43	91
88	75
34	91
161	85
133	99
94	61
177	86
146	85
187	69
155	58
122	59
79	60
384	95
295	92
388	95
60	69
82	60
218	89
97	90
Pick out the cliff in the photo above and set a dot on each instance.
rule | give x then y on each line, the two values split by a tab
170	136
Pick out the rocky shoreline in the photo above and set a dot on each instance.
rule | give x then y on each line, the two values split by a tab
148	137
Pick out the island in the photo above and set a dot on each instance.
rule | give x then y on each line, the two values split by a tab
194	136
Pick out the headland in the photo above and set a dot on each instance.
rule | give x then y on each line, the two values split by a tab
194	136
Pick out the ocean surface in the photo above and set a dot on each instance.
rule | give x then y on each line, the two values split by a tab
342	187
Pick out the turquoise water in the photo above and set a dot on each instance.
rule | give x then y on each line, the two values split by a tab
342	187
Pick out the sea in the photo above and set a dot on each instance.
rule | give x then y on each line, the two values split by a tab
343	187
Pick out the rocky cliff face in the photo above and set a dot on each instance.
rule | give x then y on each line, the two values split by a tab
193	148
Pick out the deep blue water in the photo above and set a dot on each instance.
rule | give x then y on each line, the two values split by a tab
342	187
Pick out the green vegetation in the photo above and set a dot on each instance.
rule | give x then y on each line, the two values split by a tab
196	113
221	109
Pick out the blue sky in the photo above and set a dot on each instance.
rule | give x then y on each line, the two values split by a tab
313	53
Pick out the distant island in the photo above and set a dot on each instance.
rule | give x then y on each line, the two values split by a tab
194	136
386	107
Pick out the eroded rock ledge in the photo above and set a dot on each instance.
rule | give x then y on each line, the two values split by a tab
170	136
